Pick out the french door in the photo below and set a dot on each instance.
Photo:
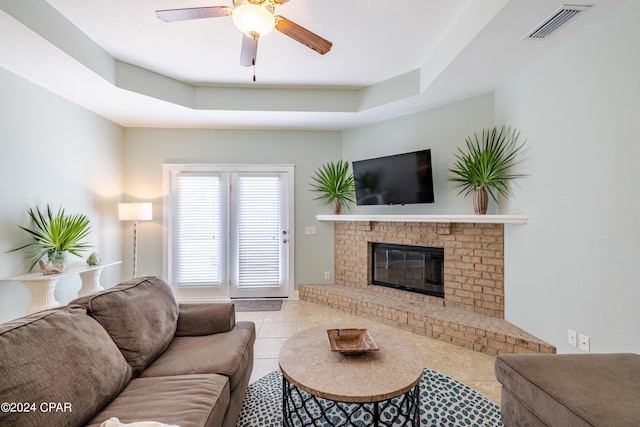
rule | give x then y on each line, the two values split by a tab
228	230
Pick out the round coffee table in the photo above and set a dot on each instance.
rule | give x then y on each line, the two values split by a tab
322	387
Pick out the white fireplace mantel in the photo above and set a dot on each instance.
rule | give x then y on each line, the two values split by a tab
477	219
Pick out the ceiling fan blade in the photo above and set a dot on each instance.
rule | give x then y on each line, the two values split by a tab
302	35
171	15
249	50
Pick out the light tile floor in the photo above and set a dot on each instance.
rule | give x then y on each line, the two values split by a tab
274	327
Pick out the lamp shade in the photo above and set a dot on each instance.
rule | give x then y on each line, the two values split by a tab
253	19
135	211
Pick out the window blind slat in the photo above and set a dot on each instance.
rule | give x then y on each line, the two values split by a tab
198	230
198	213
258	201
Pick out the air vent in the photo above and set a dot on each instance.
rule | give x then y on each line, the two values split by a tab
556	20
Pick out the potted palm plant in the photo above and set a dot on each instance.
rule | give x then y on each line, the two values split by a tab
56	235
486	165
334	184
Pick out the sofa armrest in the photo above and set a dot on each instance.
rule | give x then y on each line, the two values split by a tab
196	319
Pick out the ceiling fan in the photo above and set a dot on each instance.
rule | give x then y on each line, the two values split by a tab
255	18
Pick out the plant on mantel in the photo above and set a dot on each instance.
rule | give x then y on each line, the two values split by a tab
55	235
486	165
334	184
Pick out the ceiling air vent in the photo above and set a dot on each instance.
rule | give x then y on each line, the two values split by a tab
556	20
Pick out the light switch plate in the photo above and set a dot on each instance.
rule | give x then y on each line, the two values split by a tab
584	343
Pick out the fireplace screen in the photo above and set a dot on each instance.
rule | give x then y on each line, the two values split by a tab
412	268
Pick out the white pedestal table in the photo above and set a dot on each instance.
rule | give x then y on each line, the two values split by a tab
42	287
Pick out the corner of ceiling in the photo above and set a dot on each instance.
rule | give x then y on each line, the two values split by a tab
86	60
63	35
463	31
45	21
145	82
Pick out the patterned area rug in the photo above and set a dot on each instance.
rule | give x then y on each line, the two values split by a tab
444	402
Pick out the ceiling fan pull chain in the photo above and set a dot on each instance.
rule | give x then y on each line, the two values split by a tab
253	62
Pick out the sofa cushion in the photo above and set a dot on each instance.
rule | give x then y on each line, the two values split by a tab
205	318
62	357
514	413
573	389
185	400
229	353
140	315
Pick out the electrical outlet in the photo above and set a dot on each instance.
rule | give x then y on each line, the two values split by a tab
585	343
327	275
572	337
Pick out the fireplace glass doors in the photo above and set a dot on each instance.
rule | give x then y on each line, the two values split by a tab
411	268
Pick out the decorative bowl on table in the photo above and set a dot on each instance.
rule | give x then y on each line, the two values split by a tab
351	341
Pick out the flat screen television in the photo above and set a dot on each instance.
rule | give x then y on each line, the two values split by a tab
401	179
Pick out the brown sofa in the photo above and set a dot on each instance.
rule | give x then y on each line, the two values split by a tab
130	352
570	390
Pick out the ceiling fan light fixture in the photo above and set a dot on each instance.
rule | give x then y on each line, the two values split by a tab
253	19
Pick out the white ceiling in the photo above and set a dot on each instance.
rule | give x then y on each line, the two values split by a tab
388	58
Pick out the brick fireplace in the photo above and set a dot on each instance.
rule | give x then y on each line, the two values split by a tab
470	315
473	258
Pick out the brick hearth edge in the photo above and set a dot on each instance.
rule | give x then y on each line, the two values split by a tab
457	326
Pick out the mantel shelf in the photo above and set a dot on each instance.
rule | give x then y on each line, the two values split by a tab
478	219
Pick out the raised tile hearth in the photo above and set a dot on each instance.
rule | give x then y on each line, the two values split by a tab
470	315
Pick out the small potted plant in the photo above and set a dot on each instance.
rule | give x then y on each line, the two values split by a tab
55	235
335	185
487	165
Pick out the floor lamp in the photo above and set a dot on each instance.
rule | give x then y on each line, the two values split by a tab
135	212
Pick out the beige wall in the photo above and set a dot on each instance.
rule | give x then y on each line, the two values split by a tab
442	130
147	149
575	265
52	151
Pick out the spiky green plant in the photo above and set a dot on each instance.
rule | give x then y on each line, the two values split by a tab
56	233
334	182
488	162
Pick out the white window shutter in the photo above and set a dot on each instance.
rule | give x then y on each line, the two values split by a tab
198	230
259	231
